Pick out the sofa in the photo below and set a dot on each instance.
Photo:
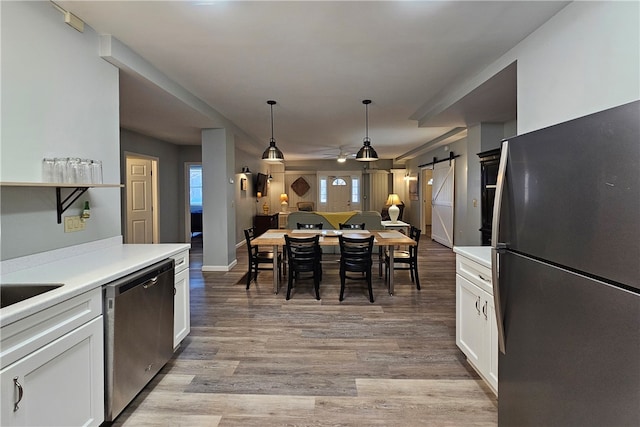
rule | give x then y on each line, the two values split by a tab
331	220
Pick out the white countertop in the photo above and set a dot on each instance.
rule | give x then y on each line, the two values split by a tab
479	254
81	273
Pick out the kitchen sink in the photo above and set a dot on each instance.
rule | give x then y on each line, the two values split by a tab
11	293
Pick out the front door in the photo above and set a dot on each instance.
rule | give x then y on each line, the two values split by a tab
443	203
339	194
139	200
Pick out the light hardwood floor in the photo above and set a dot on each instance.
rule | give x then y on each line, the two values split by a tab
255	359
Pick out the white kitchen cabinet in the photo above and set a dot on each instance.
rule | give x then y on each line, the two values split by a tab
61	383
181	313
476	328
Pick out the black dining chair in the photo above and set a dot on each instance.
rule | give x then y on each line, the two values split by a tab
355	256
303	255
317	226
406	260
351	226
309	226
257	257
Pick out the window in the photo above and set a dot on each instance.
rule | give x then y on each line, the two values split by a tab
355	190
195	185
338	181
323	190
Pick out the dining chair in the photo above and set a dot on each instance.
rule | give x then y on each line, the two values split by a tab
303	255
306	206
406	260
257	257
355	256
302	226
317	226
351	226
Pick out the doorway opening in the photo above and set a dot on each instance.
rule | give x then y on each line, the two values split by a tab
193	218
427	200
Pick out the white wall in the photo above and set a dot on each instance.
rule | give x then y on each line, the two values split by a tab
583	60
59	99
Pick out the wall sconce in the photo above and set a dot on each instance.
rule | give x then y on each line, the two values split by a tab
269	177
284	202
258	197
246	170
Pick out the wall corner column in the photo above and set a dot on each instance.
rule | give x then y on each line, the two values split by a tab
218	200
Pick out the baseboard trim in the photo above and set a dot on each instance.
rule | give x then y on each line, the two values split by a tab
220	267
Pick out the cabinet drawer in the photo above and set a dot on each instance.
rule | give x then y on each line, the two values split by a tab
478	274
181	260
29	334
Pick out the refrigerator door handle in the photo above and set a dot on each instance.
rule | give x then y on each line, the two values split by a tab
497	246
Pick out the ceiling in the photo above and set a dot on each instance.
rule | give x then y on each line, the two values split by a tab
318	60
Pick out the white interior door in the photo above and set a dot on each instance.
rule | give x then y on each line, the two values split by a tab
339	194
139	200
443	203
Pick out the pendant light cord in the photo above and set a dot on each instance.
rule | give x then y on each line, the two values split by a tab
366	103
271	122
366	120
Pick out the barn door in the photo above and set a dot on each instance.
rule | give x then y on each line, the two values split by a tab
443	203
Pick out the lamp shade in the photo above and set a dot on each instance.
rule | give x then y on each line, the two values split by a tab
284	198
393	199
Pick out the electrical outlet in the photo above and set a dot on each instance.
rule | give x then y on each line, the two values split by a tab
73	223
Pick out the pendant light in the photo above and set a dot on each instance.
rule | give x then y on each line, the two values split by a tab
272	154
367	153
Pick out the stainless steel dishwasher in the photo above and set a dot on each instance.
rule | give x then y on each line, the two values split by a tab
138	315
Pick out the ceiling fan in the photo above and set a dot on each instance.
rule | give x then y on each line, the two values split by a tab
342	156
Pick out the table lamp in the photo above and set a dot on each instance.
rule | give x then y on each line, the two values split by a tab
284	202
394	211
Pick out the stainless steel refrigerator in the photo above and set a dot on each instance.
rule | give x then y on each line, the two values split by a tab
566	259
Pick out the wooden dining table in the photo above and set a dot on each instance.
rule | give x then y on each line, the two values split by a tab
275	238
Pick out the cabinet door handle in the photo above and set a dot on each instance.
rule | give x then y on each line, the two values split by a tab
483	278
180	263
484	310
477	305
20	393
